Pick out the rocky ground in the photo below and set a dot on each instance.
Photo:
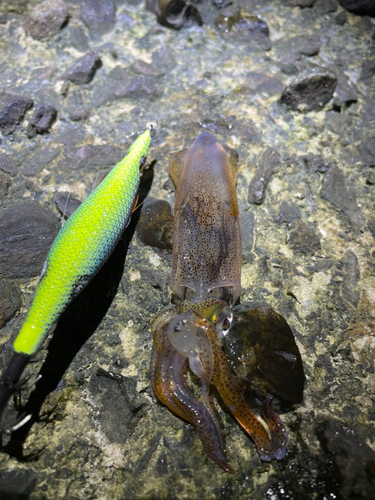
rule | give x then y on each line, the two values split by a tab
290	86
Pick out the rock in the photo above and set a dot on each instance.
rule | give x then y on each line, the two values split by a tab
342	197
359	7
83	69
320	265
8	164
42	158
12	109
42	120
246	28
78	157
46	19
78	39
303	239
261	350
5	181
353	459
247	228
147	69
3	17
65	203
288	213
26	233
17	484
155	226
300	3
352	274
268	165
10	301
345	91
174	13
259	82
368	69
371	226
315	163
162	464
367	152
307	45
310	90
98	15
341	18
325	6
164	59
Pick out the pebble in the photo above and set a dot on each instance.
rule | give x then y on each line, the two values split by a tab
345	91
245	28
310	90
5	181
12	109
10	301
98	15
147	69
268	165
155	226
8	164
262	351
83	69
288	213
78	39
303	239
26	233
307	45
42	120
174	14
46	19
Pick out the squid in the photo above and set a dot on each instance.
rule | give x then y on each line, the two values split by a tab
206	275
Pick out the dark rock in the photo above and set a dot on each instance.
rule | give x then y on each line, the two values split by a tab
352	275
345	91
352	458
341	18
368	69
145	459
268	165
359	7
5	181
8	164
65	203
342	197
245	28
155	226
371	226
368	110
288	213
247	229
325	6
315	163
367	152
26	233
42	158
320	265
10	301
310	90
79	156
12	109
42	120
261	350
164	59
46	19
3	17
147	69
303	239
83	69
307	45
17	484
162	464
174	13
98	15
78	39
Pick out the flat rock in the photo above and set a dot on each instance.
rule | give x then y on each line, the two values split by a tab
79	156
10	301
262	351
12	109
46	19
146	69
98	15
42	120
83	69
307	45
258	184
39	160
310	90
26	234
303	239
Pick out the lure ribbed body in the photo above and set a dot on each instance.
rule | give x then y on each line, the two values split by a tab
82	246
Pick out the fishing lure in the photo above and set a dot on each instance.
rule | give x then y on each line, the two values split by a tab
81	247
206	274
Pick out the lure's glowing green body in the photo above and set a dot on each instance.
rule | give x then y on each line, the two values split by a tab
82	246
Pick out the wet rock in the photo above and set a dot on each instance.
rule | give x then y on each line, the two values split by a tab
307	45
174	13
12	109
371	226
8	164
41	159
46	19
310	90
42	120
288	213
78	157
352	458
336	191
26	233
83	69
245	28
98	15
10	301
155	226
65	203
368	69
268	165
147	69
261	350
303	239
351	269
325	6
78	39
359	7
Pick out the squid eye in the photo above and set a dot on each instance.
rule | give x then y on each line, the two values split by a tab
179	326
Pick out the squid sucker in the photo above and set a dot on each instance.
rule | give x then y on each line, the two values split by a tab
206	275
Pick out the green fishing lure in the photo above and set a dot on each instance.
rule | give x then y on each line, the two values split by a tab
79	250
